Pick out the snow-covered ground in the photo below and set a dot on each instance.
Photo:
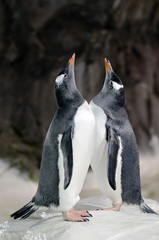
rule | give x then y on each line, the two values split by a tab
17	189
129	223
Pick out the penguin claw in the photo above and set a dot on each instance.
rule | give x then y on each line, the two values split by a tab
86	220
82	213
116	207
74	216
87	215
90	215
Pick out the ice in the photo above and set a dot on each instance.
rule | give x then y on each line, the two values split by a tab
17	189
127	224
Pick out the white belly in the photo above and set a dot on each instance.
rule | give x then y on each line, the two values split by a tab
100	161
83	146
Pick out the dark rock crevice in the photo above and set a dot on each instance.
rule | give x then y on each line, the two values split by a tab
36	40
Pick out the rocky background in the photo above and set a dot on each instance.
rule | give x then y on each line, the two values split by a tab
37	37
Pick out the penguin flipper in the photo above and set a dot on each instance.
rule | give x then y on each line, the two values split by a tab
113	146
67	150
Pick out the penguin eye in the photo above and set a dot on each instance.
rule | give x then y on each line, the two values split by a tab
65	75
111	83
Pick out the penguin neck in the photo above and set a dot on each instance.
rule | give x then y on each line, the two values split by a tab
113	106
69	98
116	113
115	101
103	100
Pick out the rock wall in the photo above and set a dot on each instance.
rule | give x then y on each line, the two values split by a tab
36	40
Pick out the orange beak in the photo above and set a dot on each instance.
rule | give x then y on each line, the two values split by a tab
72	59
107	66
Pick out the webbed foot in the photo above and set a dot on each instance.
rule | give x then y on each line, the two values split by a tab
74	216
116	207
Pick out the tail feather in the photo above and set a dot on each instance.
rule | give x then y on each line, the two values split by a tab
25	211
146	209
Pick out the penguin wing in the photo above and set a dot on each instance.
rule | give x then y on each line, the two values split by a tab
67	150
113	146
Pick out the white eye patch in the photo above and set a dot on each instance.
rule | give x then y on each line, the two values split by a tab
59	79
117	86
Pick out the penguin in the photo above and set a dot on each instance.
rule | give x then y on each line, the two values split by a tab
67	152
116	156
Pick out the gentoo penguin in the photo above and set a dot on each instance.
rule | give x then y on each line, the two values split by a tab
116	157
67	152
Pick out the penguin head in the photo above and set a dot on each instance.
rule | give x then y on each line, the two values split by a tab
65	83
66	76
113	85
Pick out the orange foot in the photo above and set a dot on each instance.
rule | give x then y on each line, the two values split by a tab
116	207
73	216
82	213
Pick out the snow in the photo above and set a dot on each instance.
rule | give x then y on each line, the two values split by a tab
16	190
129	223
